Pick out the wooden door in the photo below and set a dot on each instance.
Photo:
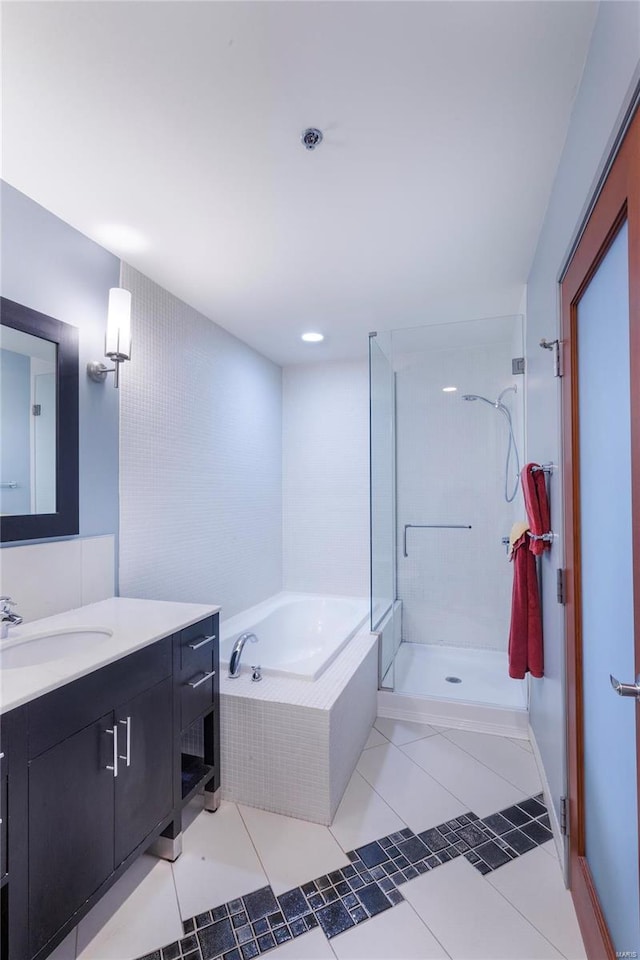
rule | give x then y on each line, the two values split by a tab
600	295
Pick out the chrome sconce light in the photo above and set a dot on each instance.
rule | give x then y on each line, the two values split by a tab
118	337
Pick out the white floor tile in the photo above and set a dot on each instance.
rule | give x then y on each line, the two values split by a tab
396	934
137	915
310	946
218	860
502	756
363	815
550	848
403	731
67	949
415	796
523	744
533	884
375	739
476	787
471	919
292	851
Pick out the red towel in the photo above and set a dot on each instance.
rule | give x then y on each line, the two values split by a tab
534	490
525	635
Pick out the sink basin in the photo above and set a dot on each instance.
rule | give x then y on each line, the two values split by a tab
45	647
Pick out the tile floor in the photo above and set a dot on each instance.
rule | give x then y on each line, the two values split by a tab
410	777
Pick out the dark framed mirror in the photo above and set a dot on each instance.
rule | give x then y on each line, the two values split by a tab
38	425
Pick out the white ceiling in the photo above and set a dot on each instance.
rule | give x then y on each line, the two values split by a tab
443	126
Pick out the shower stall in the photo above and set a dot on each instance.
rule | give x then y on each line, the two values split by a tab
446	433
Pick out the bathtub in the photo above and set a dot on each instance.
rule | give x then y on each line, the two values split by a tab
299	634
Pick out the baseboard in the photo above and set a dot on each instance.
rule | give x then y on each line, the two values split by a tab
558	839
502	721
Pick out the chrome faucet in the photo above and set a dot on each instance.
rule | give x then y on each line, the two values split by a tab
236	653
7	618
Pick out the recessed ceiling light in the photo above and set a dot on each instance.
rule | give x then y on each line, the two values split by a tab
312	337
449	389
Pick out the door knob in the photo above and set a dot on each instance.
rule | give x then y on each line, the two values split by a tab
626	689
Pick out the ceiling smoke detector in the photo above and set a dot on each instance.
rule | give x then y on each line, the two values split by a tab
311	138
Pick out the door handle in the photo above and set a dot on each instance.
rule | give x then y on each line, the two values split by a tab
113	732
626	689
127	756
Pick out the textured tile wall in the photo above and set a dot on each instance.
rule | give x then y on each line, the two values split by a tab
455	585
200	459
326	478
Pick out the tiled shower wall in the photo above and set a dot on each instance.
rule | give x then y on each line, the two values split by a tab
201	459
455	585
326	478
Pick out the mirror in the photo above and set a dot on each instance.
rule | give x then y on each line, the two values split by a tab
38	425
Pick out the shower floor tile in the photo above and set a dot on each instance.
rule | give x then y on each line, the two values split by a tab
421	670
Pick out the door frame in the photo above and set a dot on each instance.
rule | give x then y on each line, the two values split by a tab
618	201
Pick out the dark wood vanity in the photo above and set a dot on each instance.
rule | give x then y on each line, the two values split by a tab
94	773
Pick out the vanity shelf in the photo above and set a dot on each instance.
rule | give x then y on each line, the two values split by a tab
195	773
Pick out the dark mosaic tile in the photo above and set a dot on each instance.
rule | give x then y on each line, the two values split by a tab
402	862
393	851
462	819
373	899
243	934
239	919
537	832
422	867
501	842
334	919
397	878
352	855
232	955
249	950
349	870
322	883
413	849
433	839
516	816
385	842
444	856
282	934
235	906
266	942
356	882
330	895
309	888
540	797
410	873
275	920
406	833
395	897
358	914
386	885
372	854
196	955
432	862
482	867
316	901
492	854
472	834
473	816
396	837
311	921
260	903
216	939
461	846
188	926
203	919
219	913
343	887
152	956
171	952
450	853
389	868
545	821
336	877
453	824
472	857
189	943
498	823
350	900
293	904
298	927
260	926
533	807
366	876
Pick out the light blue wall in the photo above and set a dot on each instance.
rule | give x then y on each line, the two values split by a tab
52	268
611	73
15	400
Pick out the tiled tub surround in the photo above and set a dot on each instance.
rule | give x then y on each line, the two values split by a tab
248	926
289	745
299	634
133	624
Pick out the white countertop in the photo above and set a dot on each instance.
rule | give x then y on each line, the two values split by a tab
134	624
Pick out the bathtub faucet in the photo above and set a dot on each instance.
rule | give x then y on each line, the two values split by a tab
236	653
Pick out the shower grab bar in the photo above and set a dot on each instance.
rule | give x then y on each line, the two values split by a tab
432	526
10	484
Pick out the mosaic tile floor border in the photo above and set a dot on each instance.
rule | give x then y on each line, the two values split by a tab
251	925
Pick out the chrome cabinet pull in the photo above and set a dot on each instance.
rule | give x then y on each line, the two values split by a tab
113	732
626	689
201	642
196	683
127	756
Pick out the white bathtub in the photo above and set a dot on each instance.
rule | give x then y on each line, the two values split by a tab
299	634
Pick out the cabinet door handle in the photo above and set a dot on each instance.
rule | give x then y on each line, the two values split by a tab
113	732
127	756
200	642
196	683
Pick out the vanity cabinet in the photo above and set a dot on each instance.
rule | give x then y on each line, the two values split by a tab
97	776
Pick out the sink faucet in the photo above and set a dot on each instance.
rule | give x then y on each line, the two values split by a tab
7	618
236	653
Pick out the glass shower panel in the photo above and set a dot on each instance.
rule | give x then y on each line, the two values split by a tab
382	505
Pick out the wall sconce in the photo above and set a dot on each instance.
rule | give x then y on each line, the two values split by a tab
118	337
